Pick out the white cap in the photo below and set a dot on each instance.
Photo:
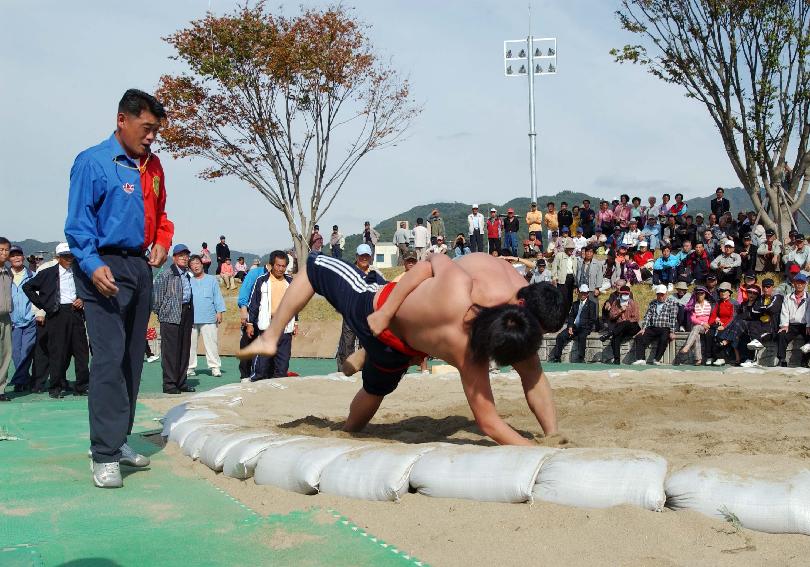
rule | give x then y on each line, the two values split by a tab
493	210
660	288
475	205
642	244
569	244
728	242
584	288
62	248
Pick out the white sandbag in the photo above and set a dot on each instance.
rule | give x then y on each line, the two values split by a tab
489	474
224	390
297	466
240	460
189	414
600	478
771	498
379	472
219	443
181	431
194	441
172	416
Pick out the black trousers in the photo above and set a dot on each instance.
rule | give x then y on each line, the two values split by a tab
494	244
117	329
567	288
41	369
175	346
732	277
477	242
564	337
658	335
714	348
795	331
246	365
347	344
67	338
276	366
622	332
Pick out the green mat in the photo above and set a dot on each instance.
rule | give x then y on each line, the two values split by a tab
51	514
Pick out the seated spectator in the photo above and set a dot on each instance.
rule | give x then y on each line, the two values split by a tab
696	266
669	233
664	268
799	254
745	316
757	235
644	260
682	297
747	253
793	321
749	279
729	227
637	211
623	267
686	231
460	247
531	247
769	253
623	211
581	321
240	268
226	274
727	264
540	274
439	248
683	255
698	312
614	240
710	244
768	309
652	233
623	315
659	325
700	225
721	336
786	287
631	236
601	247
711	288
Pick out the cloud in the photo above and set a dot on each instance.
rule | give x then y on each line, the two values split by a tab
455	136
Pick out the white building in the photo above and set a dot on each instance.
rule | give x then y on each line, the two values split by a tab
385	255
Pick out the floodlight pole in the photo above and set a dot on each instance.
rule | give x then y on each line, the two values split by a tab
532	132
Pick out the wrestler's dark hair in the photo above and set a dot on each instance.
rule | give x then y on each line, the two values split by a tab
546	303
506	334
277	254
135	101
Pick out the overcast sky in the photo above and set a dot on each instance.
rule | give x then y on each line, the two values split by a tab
603	128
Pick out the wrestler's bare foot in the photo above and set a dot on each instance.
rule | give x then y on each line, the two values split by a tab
264	345
378	322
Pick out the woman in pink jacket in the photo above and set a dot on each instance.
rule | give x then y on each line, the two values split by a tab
699	316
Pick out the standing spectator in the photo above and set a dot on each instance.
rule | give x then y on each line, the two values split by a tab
316	239
623	211
534	219
582	320
587	217
401	237
540	274
565	219
173	301
698	312
32	263
208	309
223	253
246	366
265	297
563	271
727	264
659	325
680	208
475	228
574	222
511	225
421	238
664	268
769	253
637	211
54	291
720	204
205	255
552	220
23	323
531	246
226	274
650	210
623	316
116	211
494	230
436	226
371	237
665	207
460	247
604	218
336	243
240	269
5	317
41	371
793	320
439	248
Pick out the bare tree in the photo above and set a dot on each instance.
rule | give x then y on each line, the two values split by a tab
746	61
287	105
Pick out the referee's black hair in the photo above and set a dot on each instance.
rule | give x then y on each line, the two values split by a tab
136	101
277	254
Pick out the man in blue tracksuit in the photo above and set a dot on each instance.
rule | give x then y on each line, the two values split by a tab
246	366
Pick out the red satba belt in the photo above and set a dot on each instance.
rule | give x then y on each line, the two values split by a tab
387	337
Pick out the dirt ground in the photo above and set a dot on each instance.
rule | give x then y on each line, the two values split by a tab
684	416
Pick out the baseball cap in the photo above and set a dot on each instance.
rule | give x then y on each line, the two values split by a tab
795	269
753	289
699	215
510	210
724	286
728	242
800	277
711	276
584	288
633	221
440	238
565	230
769	232
660	288
747	236
750	275
534	203
364	249
579	229
62	249
493	210
475	205
179	249
15	250
642	244
681	285
767	282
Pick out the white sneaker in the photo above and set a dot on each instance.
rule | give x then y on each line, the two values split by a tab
805	348
216	372
152	358
658	363
190	373
708	362
720	362
132	459
755	344
748	364
107	475
245	380
641	362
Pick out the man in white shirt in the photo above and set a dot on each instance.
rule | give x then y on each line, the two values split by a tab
475	228
439	248
580	241
421	238
631	236
793	320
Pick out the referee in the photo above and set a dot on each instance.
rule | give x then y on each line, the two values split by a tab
115	214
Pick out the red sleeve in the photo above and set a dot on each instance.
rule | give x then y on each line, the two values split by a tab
713	316
158	229
165	227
